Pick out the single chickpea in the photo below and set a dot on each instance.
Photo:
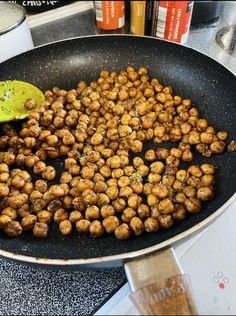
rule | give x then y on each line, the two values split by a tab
89	197
150	155
160	190
110	224
4	168
195	171
112	192
4	219
222	135
192	205
180	213
52	140
208	169
166	206
152	200
44	217
205	193
122	232
10	212
165	221
82	226
181	175
75	216
134	201
40	230
187	155
189	191
13	228
28	222
157	167
65	227
154	178
4	190
127	214
143	211
201	125
217	147
92	212
96	229
151	225
136	226
119	204
60	215
162	153
206	138
207	180
39	167
49	173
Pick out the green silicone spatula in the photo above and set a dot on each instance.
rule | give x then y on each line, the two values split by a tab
13	96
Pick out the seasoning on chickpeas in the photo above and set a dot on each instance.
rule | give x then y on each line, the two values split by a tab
106	187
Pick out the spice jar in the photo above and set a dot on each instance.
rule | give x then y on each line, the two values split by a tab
110	17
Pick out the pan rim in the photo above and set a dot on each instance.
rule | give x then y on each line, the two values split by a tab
125	35
125	256
133	254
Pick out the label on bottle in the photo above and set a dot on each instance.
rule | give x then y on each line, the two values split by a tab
110	15
172	20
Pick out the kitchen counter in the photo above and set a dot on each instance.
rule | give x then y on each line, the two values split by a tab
31	291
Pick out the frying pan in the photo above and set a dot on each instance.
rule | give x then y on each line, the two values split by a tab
148	258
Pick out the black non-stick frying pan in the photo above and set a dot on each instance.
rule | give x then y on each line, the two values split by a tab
210	86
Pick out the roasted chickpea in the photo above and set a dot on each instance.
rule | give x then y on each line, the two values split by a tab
151	224
165	221
4	168
13	228
96	229
4	219
187	155
49	173
44	217
110	224
207	180
4	190
205	193
40	230
152	200
154	178
134	201
122	232
89	197
189	191
112	192
92	213
28	222
192	205
102	199
208	168
143	211
157	167
10	212
82	226
136	226
150	155
60	215
195	171
222	135
65	227
217	147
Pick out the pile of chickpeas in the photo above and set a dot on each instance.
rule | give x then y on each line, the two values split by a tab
93	129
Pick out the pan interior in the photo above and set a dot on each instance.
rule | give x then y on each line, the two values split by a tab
210	86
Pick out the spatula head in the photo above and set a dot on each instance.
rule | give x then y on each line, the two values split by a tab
13	96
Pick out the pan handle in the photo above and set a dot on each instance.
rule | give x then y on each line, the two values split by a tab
159	286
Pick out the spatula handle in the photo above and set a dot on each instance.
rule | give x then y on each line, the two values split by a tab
168	297
159	286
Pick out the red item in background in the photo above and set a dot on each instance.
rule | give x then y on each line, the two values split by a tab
172	20
110	15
